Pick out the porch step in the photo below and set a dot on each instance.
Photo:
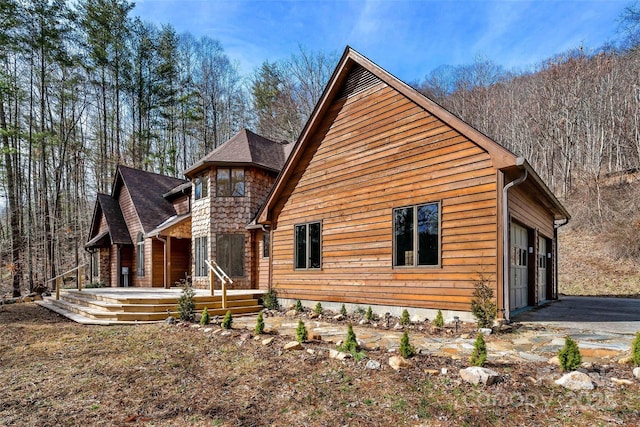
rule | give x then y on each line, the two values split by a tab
95	307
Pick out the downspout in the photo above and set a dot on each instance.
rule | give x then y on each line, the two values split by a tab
555	256
165	277
506	276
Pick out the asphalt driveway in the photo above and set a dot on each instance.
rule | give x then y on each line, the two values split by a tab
596	314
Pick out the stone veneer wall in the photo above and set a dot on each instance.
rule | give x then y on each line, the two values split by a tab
104	266
230	215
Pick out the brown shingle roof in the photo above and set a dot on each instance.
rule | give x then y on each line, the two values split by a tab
118	232
146	190
245	148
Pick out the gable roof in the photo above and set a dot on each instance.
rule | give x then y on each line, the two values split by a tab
146	190
245	148
355	73
117	232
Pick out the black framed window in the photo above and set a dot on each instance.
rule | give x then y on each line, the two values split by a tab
201	253
230	253
140	255
201	189
416	233
230	182
308	245
266	242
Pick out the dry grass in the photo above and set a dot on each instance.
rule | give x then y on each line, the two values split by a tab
57	373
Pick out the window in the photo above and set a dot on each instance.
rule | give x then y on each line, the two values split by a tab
201	254
230	182
200	187
140	255
95	263
230	253
416	227
266	242
308	252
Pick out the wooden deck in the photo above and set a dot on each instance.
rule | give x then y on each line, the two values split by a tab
105	306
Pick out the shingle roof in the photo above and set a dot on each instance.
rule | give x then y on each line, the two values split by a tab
246	147
146	190
118	231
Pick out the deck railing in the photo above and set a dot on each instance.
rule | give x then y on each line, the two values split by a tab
59	279
215	269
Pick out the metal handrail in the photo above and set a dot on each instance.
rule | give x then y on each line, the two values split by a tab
58	279
224	278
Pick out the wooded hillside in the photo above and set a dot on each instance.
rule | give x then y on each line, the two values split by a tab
84	88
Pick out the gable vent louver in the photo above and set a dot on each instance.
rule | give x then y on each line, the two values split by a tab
358	81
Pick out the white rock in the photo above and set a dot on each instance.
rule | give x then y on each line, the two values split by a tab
311	351
372	364
555	361
485	331
267	341
291	313
576	381
207	330
444	371
363	322
338	317
292	345
338	355
620	381
397	362
479	375
636	372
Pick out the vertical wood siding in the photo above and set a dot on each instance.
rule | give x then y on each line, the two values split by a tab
373	152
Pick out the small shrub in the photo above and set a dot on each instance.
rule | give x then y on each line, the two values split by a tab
301	332
482	306
227	321
479	353
569	355
439	320
95	285
635	350
270	300
298	307
406	349
351	342
359	311
405	319
259	324
205	318
369	314
343	310
186	304
318	309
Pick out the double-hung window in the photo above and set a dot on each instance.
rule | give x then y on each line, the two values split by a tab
416	235
230	182
308	246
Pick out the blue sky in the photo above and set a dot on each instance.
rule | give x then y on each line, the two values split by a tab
408	38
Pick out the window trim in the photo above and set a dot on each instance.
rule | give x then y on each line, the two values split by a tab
230	186
416	257
308	247
266	244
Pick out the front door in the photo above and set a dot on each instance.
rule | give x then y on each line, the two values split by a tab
542	269
519	271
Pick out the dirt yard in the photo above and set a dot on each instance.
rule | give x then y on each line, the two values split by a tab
58	373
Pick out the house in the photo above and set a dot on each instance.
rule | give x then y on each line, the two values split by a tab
386	199
154	230
389	200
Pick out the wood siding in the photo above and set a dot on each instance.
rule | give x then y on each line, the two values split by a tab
525	210
134	226
373	152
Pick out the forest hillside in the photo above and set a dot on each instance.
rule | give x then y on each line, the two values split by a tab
85	86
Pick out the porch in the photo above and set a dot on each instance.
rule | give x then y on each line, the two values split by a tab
108	306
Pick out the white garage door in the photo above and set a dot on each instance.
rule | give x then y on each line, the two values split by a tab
542	269
519	271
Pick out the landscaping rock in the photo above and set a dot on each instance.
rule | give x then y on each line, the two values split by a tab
465	336
338	317
363	322
312	336
207	330
620	381
245	337
311	351
397	326
431	371
292	345
267	341
479	375
576	381
338	355
225	333
554	361
485	331
313	315
398	362
170	320
636	372
291	313
372	364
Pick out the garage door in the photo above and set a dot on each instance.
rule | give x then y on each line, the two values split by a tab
542	269
519	274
